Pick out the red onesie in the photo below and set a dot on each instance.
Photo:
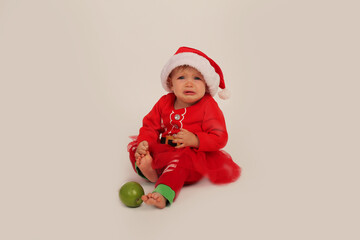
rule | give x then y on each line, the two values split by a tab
179	166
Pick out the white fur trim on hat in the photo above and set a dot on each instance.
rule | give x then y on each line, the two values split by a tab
212	79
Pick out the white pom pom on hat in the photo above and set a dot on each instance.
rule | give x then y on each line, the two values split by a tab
212	73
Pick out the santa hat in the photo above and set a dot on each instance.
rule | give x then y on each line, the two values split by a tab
209	69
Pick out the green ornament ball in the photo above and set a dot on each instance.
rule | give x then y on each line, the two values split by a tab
130	194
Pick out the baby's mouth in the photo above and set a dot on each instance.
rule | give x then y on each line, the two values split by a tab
189	92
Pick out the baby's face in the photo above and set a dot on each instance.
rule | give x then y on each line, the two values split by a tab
188	85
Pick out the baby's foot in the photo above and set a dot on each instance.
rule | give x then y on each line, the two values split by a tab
155	199
144	164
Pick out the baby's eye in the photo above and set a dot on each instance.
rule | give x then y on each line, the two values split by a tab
181	77
197	78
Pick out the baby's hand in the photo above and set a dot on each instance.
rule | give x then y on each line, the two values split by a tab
186	139
142	149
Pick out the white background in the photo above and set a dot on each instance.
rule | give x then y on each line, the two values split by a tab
78	76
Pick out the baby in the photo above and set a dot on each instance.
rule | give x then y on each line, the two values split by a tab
182	136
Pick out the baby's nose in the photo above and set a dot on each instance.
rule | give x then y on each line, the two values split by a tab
189	82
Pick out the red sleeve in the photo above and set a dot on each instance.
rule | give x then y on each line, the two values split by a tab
214	135
151	128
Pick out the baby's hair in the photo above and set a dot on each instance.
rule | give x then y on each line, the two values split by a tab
179	68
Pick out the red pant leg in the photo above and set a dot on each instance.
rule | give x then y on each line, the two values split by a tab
171	178
174	176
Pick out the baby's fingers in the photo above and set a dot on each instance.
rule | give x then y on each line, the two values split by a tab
142	150
183	130
180	146
177	140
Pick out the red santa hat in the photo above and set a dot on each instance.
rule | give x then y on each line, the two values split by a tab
209	69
